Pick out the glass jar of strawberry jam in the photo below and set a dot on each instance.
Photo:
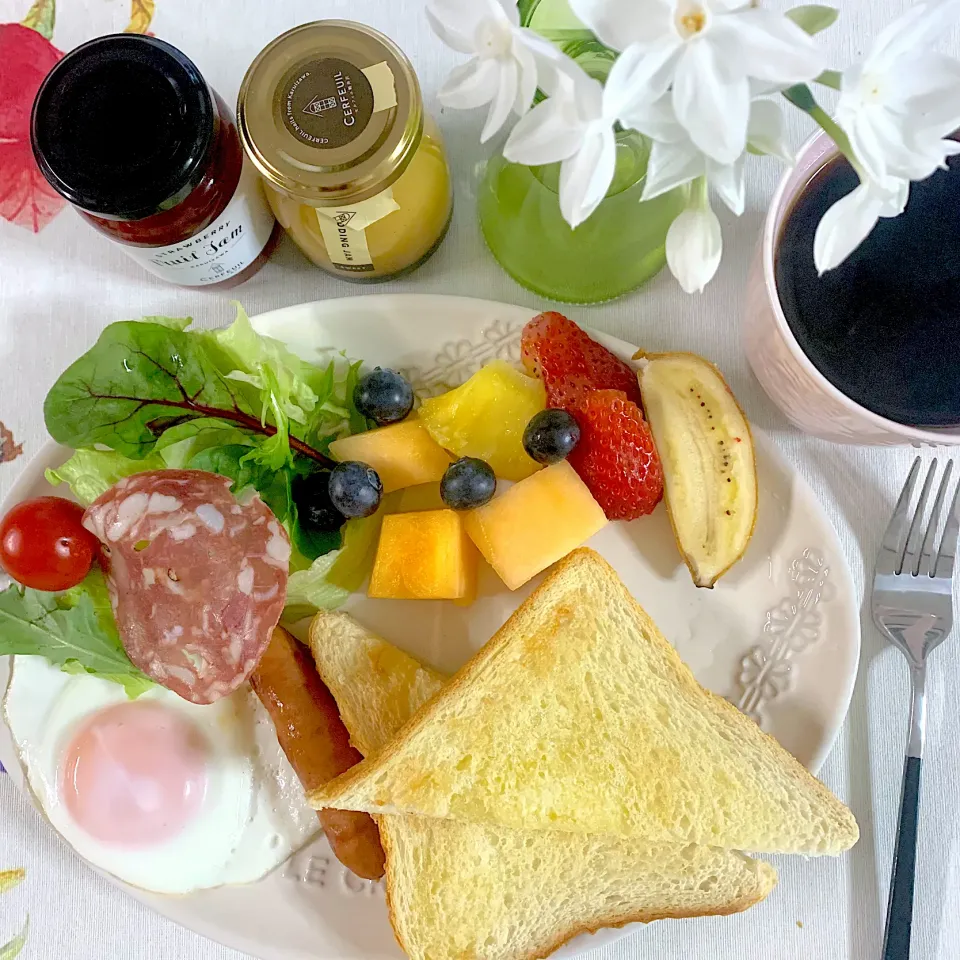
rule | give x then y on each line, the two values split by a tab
126	129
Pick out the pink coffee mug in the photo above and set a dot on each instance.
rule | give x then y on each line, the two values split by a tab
785	372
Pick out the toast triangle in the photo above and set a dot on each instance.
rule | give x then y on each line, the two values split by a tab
462	890
579	716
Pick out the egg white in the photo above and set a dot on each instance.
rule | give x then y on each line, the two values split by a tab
254	813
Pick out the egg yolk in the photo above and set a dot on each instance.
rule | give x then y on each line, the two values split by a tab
135	774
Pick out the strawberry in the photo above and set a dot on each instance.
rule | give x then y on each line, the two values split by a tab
567	392
616	457
556	349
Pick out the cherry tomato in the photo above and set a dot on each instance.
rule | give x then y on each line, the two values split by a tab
43	544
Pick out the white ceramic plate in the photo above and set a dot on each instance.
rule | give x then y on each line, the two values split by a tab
779	635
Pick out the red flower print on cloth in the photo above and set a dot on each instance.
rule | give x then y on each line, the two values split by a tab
26	57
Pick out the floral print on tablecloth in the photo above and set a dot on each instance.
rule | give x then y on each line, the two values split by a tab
27	53
8	880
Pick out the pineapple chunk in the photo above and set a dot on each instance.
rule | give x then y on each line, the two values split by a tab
486	417
424	556
403	454
535	523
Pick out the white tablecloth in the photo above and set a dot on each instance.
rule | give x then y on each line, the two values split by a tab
58	288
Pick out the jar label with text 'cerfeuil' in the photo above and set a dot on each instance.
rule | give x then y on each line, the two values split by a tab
344	231
329	103
221	250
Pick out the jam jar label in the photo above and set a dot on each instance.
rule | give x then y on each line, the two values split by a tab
223	248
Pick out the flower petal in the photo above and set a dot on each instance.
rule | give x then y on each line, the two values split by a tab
548	133
877	140
471	84
527	86
671	165
510	11
767	46
846	225
651	74
694	248
556	71
586	177
765	130
453	23
712	109
727	180
618	23
638	79
503	102
654	119
918	28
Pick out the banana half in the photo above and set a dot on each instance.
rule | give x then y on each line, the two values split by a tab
709	472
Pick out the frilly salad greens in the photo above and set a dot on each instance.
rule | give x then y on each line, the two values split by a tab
153	394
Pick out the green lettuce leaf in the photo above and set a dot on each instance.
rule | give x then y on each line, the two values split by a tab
330	579
233	461
280	376
74	630
182	443
90	473
138	380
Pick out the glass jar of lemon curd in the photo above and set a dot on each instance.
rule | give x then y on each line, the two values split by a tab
355	171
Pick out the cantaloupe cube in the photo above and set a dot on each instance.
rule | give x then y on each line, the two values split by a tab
424	496
535	523
403	454
424	556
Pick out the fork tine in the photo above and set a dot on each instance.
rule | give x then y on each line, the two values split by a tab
926	562
911	556
948	543
895	537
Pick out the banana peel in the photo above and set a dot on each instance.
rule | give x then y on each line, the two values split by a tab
707	452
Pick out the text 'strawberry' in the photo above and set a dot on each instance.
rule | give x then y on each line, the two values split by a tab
616	457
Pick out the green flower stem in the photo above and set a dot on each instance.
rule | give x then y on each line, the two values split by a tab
802	97
698	198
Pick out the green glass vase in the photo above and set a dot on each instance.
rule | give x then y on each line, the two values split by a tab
619	248
622	244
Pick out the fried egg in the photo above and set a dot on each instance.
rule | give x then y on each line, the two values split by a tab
167	795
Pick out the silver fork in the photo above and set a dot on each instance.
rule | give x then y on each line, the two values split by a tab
912	605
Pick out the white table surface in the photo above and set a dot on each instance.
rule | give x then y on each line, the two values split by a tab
60	287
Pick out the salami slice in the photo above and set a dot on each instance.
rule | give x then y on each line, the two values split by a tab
197	579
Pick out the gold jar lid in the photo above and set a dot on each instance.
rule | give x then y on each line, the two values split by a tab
329	111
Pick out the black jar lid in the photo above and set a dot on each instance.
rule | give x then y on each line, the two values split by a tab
122	126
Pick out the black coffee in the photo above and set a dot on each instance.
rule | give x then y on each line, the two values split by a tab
884	327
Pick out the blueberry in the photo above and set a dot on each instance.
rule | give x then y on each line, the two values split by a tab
355	489
384	396
315	510
551	436
468	483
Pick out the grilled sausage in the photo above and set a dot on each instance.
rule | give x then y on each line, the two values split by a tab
317	744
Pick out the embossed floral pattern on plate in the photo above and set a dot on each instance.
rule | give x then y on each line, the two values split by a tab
790	627
459	360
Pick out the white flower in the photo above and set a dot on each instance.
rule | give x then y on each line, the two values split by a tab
675	159
899	105
706	52
575	125
503	67
694	242
849	221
